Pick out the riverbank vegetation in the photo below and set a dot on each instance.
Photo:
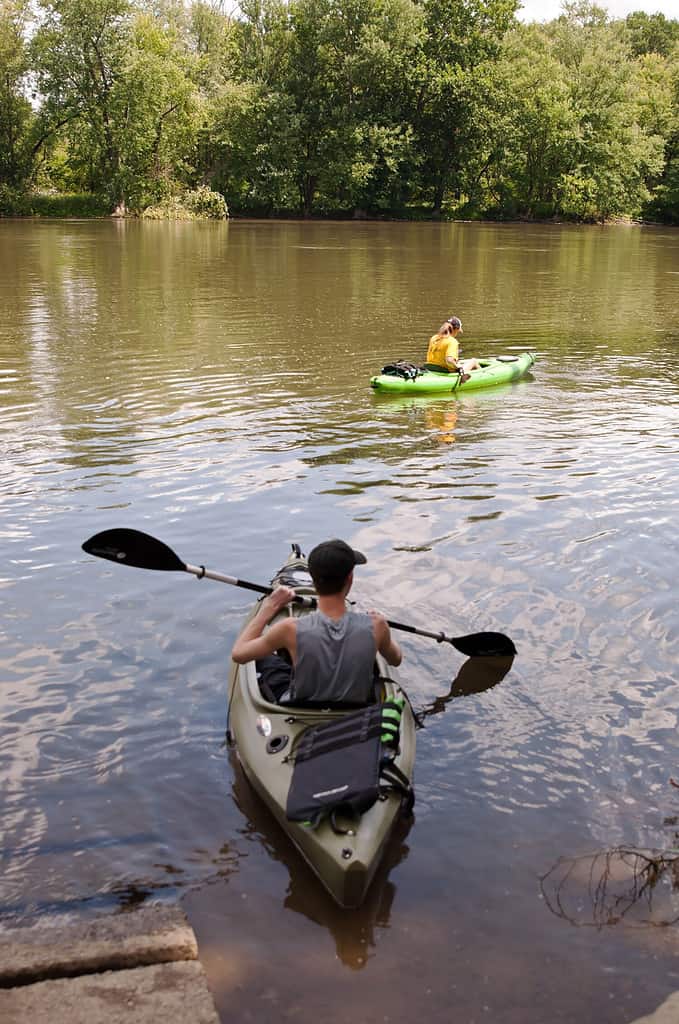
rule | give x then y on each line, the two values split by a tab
362	108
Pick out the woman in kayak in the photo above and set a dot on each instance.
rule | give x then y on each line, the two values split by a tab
332	650
443	354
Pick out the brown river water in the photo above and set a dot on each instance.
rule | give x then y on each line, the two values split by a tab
209	384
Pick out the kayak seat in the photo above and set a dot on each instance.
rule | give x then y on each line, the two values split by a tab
434	368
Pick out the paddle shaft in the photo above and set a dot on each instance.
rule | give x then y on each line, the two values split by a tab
202	573
441	637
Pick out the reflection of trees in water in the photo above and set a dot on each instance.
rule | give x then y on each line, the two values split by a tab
624	885
352	930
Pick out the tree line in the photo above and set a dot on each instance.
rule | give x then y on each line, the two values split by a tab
404	108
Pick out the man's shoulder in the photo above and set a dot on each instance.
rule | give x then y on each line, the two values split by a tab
287	626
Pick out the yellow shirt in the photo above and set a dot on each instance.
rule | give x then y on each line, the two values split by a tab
442	348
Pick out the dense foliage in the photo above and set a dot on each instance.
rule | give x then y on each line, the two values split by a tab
352	107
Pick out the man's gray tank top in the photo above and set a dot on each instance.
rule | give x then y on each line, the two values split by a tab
335	658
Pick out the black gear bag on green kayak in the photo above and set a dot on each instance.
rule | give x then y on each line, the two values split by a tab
346	765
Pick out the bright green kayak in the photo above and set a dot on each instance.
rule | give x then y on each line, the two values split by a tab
344	854
502	370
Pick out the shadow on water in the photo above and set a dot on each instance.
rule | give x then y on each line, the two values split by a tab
476	675
353	931
120	898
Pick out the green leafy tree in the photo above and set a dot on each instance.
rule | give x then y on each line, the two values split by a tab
461	37
213	37
117	82
250	135
79	53
535	130
651	33
162	112
16	114
368	49
321	120
664	203
615	153
251	152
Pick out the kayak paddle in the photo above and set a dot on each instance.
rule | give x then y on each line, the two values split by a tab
141	550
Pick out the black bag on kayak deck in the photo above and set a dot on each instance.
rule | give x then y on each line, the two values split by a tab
341	766
402	368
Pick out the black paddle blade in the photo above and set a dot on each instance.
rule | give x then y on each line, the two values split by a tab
483	644
132	547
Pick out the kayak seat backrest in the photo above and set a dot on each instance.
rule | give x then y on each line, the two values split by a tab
273	677
433	368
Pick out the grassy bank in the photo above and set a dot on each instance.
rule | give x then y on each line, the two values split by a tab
199	204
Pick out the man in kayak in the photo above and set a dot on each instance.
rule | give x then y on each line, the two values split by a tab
443	354
332	650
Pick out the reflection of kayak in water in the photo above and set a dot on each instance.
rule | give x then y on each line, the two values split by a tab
354	932
502	370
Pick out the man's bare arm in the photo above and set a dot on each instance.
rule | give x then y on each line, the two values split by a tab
384	641
253	642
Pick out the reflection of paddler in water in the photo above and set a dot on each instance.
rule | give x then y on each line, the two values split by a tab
475	676
352	930
442	419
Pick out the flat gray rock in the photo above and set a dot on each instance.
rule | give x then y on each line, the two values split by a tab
147	995
54	948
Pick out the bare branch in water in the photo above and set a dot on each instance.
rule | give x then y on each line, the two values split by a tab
622	886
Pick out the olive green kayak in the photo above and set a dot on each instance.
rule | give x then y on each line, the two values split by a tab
343	850
501	370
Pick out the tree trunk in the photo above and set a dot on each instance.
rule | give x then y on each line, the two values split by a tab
307	192
437	205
